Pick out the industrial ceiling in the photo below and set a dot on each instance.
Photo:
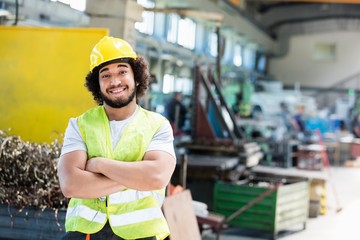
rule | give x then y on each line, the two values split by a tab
272	15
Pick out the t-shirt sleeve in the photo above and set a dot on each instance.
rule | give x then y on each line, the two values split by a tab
163	140
72	140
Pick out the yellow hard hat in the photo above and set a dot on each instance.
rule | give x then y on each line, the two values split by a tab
110	48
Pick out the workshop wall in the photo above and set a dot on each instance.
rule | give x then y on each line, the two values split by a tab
42	72
318	59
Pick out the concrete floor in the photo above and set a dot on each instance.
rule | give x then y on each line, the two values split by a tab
343	192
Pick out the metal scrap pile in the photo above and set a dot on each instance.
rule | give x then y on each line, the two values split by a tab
28	173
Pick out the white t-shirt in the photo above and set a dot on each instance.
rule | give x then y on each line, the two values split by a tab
162	140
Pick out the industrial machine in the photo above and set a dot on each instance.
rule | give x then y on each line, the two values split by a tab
214	129
219	159
217	149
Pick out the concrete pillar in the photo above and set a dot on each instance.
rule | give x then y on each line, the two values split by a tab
119	16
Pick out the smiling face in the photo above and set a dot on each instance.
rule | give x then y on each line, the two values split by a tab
117	84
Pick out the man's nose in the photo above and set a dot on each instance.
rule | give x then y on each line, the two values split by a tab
115	79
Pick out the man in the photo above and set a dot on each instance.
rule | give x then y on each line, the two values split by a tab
117	158
175	111
356	127
299	123
286	117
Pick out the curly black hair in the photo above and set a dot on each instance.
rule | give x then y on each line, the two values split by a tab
141	71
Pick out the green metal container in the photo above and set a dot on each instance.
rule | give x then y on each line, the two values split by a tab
288	205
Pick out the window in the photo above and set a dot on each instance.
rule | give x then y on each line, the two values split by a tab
213	44
324	52
186	33
249	58
238	61
168	83
261	63
182	84
76	4
181	31
172	28
147	25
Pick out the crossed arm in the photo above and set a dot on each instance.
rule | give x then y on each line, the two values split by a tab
97	177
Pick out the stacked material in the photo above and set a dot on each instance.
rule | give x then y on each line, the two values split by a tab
28	173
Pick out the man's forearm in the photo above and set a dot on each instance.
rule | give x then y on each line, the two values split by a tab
143	175
85	184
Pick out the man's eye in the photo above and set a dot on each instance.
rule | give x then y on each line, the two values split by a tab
105	76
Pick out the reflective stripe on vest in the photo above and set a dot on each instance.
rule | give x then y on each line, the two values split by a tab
86	213
135	217
131	195
132	214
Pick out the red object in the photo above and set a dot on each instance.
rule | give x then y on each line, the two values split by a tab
355	150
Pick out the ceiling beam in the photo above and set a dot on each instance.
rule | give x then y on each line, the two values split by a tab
190	13
311	1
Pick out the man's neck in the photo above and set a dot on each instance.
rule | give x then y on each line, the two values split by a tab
120	114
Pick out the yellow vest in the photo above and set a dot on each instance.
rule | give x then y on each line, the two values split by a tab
131	213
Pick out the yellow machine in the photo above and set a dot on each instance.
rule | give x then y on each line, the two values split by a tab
42	72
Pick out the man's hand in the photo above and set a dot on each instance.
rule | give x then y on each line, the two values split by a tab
92	165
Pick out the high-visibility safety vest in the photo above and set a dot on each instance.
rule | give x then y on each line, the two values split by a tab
131	213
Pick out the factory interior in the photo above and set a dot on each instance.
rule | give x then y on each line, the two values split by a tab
267	138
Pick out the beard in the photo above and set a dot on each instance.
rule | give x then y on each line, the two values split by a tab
118	103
